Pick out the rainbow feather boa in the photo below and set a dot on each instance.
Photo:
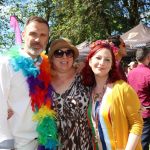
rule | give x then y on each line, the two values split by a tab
38	80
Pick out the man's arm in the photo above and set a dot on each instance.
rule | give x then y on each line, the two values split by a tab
6	140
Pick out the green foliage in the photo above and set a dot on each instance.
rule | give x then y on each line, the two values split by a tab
1	2
78	20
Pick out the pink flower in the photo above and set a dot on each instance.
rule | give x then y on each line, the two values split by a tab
105	43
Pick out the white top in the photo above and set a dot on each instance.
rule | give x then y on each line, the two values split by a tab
14	94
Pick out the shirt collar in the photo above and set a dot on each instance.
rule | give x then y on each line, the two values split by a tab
37	61
142	65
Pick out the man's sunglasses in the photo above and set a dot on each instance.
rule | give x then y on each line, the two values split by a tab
60	53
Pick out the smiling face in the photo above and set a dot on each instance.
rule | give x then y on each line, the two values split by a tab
35	38
101	62
63	63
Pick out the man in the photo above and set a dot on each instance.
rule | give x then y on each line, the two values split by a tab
139	79
119	43
24	78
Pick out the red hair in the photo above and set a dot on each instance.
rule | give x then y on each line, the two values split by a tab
87	73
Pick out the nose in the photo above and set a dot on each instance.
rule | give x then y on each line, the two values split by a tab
101	61
37	39
64	55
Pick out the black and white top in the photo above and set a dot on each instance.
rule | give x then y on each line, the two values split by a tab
71	107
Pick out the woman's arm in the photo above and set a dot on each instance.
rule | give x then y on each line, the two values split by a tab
135	121
132	141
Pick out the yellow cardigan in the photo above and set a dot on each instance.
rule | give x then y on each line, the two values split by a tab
119	116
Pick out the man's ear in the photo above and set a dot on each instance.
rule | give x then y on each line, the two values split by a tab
23	35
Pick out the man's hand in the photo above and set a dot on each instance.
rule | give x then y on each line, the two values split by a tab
10	113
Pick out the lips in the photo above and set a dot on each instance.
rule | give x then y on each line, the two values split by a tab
36	46
101	69
63	62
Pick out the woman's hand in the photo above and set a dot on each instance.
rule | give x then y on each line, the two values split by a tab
132	141
10	113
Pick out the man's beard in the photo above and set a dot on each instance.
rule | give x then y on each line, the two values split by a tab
34	51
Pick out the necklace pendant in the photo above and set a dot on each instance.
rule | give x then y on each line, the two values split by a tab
96	96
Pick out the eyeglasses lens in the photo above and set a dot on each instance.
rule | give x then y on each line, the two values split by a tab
60	53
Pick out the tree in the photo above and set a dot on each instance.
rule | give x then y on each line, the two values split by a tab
77	20
1	2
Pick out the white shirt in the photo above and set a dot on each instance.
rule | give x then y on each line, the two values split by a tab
14	94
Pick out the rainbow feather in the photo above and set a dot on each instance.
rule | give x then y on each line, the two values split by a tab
40	92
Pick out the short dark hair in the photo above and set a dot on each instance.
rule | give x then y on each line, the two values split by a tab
38	19
115	39
142	53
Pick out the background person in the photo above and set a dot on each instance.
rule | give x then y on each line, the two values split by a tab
70	97
119	43
24	84
131	65
139	79
114	106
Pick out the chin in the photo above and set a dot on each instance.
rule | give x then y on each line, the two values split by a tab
98	73
102	74
35	52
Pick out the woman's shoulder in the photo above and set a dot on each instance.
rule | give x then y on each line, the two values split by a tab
121	84
123	88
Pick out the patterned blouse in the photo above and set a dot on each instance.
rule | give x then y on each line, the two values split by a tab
71	107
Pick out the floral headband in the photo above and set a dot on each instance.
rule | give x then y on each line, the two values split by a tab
105	43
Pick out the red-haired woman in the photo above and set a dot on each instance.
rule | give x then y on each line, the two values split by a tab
114	111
